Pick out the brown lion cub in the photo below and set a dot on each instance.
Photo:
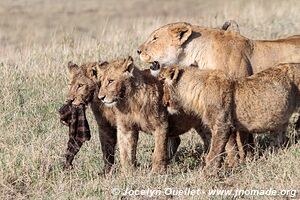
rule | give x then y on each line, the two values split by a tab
82	87
257	104
137	99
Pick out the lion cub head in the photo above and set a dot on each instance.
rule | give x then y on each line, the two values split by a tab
169	77
165	44
115	82
82	83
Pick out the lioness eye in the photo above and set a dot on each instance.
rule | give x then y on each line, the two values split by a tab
110	81
80	85
154	38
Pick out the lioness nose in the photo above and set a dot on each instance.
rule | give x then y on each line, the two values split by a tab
139	51
101	97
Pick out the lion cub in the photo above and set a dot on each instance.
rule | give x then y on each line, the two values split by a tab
137	99
257	104
82	87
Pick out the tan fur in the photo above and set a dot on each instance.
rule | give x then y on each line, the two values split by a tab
138	101
224	49
257	104
85	76
184	44
172	104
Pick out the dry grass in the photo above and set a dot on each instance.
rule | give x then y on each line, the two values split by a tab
38	38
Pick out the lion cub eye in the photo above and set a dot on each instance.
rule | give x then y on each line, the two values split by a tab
80	85
110	81
154	38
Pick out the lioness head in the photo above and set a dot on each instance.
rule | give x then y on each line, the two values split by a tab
115	82
165	44
169	76
82	82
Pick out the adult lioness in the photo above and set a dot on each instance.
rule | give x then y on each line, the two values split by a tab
257	104
185	44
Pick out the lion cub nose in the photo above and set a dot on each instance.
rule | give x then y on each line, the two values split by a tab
139	51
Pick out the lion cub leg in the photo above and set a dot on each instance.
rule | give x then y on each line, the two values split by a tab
159	158
173	144
231	150
220	137
205	135
245	142
127	140
278	137
239	146
108	140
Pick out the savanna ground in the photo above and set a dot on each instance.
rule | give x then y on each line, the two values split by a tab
38	38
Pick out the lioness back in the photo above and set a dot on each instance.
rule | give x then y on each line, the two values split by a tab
268	53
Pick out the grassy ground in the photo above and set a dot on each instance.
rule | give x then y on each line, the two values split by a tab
38	38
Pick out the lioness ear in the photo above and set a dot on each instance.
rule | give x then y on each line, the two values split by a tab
72	67
195	64
128	65
180	31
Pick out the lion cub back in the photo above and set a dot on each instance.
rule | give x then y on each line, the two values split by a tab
267	98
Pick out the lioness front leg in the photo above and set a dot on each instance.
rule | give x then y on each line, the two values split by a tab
127	141
159	159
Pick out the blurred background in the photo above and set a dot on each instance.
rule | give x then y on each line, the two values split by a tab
40	22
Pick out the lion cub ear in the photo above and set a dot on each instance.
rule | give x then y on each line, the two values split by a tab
72	67
231	25
100	68
180	31
102	65
92	72
172	74
128	66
